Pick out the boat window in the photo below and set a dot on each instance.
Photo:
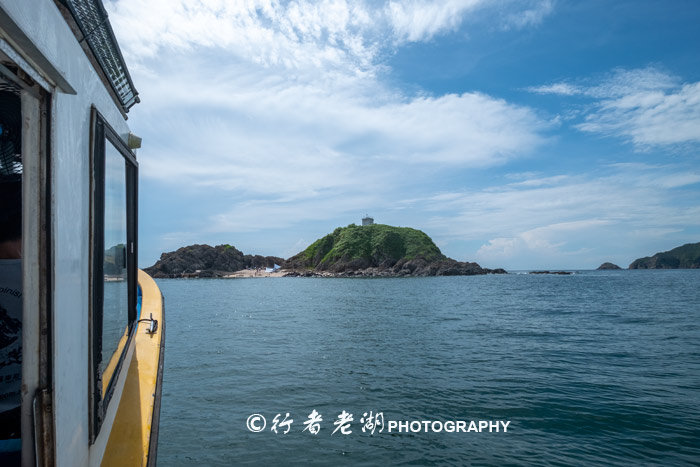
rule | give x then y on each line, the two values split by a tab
115	315
114	261
26	257
10	274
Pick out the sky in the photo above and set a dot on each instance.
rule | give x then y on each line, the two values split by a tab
524	134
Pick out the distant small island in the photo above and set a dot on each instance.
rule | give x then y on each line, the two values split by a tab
557	273
608	266
354	251
682	257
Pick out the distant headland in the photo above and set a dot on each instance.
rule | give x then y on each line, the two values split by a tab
373	250
682	257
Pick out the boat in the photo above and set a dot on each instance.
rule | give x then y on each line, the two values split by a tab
82	327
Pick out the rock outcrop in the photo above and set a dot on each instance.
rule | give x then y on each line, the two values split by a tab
682	257
207	261
608	266
558	273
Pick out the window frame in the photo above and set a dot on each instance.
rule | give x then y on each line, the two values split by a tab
102	133
37	418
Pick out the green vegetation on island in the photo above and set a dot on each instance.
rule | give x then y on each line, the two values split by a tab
682	257
379	250
375	244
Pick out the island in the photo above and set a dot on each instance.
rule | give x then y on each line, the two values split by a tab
682	257
608	267
374	250
378	250
203	261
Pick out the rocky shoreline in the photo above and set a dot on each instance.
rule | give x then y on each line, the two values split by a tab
410	268
369	251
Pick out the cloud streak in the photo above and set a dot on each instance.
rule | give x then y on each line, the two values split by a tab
302	34
646	107
420	20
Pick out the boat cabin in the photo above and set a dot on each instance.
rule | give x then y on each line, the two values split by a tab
81	328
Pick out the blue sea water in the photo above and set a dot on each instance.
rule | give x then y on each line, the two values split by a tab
600	367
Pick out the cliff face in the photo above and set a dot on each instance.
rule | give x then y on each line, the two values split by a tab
682	257
207	261
378	250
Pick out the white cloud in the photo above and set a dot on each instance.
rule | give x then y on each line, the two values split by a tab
348	35
562	89
678	180
546	246
547	239
419	20
297	35
531	16
646	106
534	181
253	131
289	93
650	117
621	83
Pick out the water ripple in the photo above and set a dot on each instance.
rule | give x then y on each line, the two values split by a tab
592	368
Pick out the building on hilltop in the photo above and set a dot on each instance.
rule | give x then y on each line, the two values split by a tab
367	220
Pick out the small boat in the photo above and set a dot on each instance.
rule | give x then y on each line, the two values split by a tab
81	327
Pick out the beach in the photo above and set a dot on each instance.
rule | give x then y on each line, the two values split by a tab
246	273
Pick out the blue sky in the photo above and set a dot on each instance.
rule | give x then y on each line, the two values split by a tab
518	134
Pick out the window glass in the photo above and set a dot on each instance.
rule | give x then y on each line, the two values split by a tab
115	317
113	264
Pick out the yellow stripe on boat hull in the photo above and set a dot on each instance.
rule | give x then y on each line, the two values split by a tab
131	437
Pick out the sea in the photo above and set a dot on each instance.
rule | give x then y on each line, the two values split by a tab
592	368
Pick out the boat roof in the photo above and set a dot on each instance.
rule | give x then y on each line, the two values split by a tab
91	26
